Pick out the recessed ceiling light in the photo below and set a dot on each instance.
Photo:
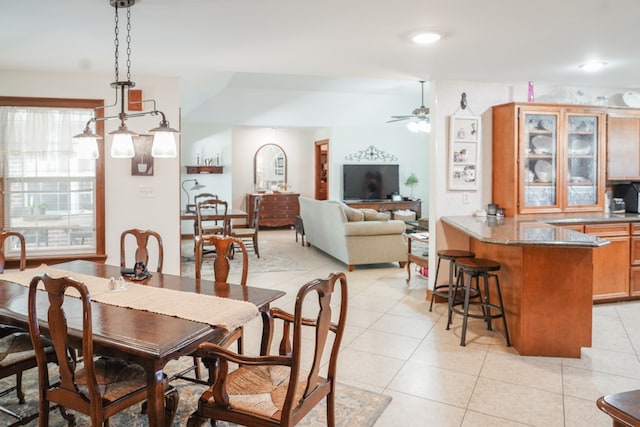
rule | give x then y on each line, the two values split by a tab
593	65
426	37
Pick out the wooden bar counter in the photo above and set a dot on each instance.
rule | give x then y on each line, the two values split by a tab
546	280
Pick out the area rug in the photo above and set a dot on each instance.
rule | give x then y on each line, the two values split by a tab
270	261
355	407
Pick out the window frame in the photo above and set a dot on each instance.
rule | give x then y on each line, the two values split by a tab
98	106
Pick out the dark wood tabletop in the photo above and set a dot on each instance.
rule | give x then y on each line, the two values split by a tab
147	338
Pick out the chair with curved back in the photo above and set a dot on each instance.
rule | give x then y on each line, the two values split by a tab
102	386
16	351
221	267
142	249
276	390
4	235
249	232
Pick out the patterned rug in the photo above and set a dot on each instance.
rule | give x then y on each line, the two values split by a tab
354	407
270	260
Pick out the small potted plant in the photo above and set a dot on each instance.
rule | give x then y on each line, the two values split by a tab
410	182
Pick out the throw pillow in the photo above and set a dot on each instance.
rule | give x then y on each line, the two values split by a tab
374	215
353	214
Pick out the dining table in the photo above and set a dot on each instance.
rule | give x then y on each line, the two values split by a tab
145	337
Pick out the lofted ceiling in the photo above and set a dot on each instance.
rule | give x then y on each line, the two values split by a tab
353	46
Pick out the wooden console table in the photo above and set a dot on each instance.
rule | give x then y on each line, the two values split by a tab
388	205
277	209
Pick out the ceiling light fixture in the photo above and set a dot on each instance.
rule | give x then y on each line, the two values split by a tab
420	125
592	66
164	144
426	37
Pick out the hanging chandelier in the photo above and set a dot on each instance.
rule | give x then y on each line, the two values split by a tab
164	144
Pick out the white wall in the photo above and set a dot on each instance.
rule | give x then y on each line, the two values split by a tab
410	149
298	145
124	209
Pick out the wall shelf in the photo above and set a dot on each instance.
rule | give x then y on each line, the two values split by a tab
204	169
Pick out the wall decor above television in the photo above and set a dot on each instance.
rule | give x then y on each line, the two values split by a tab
370	181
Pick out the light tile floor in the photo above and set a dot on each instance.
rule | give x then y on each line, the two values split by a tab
394	345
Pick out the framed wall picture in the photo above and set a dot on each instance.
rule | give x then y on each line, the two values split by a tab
142	161
464	152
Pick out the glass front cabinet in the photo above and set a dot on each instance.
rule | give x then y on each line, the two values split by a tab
548	158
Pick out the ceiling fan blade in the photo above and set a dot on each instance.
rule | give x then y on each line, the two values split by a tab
403	117
399	119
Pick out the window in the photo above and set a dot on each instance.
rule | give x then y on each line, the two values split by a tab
49	195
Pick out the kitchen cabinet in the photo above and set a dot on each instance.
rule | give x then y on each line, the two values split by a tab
634	275
623	145
276	210
611	263
548	158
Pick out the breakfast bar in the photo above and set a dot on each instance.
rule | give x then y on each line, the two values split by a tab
546	277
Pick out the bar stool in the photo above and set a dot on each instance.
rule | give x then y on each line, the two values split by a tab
476	268
446	290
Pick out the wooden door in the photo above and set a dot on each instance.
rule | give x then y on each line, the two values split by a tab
321	169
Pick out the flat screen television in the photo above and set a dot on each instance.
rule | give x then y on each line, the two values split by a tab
370	182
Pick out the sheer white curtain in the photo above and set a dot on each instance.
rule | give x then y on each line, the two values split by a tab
49	192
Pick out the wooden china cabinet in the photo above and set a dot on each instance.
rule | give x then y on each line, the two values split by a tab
548	158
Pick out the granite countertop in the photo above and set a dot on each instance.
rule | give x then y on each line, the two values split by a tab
532	231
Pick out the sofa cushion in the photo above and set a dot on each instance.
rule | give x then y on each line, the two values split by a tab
374	228
374	215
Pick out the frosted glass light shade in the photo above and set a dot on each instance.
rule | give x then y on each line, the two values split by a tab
122	145
86	146
164	145
419	126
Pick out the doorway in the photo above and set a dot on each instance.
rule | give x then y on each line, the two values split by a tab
321	169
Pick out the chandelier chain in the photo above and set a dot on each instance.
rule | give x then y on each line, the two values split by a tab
117	44
128	44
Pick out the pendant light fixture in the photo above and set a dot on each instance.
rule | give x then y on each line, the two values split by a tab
164	144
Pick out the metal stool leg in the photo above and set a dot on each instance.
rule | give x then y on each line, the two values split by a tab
435	283
504	316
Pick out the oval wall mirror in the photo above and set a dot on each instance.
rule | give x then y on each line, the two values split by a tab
269	168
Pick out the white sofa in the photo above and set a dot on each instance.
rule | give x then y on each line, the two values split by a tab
354	242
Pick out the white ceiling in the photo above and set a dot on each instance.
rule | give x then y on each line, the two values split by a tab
330	45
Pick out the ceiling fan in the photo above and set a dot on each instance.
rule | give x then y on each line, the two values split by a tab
419	116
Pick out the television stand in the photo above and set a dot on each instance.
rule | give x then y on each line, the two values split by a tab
387	205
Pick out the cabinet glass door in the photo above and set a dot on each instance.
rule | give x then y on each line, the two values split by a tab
540	154
582	160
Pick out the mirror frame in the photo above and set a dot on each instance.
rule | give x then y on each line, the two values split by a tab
255	164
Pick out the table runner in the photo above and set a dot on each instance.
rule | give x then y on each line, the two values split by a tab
221	312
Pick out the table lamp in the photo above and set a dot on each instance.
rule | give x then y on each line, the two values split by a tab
196	186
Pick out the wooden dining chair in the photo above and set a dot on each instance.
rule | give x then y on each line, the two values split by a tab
197	198
4	236
223	246
277	390
142	250
206	225
100	387
249	232
16	356
16	351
